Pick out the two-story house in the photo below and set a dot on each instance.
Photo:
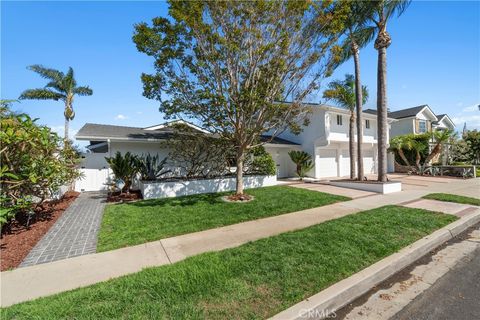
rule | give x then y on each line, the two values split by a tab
325	139
416	120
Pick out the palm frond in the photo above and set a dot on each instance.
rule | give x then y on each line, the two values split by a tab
47	73
396	6
83	91
41	94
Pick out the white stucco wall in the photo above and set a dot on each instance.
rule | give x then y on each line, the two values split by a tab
157	190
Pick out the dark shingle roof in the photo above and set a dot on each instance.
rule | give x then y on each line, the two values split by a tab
405	113
104	131
276	140
399	114
92	131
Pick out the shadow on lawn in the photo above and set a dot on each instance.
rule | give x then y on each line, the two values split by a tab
210	198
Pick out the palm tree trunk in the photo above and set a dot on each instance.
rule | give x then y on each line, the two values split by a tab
351	144
382	113
66	130
404	158
359	101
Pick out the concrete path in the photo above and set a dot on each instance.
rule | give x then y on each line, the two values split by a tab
73	234
45	279
440	206
322	187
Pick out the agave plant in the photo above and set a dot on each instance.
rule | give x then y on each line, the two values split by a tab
303	161
124	168
151	168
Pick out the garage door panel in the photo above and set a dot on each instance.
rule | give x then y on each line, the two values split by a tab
368	163
326	163
345	163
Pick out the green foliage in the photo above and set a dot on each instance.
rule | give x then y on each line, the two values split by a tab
151	168
227	64
199	155
472	138
414	147
342	92
124	167
260	162
303	162
61	87
33	163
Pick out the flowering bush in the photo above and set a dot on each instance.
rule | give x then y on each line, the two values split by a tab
35	163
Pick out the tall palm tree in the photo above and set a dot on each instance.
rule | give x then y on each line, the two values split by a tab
380	13
343	93
61	87
358	33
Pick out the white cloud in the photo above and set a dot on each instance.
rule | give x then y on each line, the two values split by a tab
120	117
139	112
471	108
469	115
404	86
459	104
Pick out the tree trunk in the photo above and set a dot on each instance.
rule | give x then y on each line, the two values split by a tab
239	184
65	138
359	102
404	158
382	113
351	143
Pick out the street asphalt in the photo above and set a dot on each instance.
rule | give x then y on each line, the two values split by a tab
455	296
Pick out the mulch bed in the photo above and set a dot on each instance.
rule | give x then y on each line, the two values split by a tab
134	195
17	239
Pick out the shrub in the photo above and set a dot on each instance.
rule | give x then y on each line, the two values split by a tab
303	162
34	163
260	162
124	168
151	168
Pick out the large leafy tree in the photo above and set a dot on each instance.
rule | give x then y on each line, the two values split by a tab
227	64
343	93
61	87
380	13
358	33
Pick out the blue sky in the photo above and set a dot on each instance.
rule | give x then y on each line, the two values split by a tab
434	59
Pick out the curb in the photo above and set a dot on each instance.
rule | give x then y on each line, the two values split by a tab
335	297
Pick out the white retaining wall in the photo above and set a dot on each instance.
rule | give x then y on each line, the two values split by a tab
156	190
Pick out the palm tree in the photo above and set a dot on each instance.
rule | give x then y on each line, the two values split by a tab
61	87
343	93
303	162
380	12
358	34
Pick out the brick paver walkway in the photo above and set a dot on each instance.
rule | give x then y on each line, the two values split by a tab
73	234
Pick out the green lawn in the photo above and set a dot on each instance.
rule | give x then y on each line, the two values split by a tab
149	220
453	198
253	281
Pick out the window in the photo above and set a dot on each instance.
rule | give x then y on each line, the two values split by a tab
367	124
422	126
339	120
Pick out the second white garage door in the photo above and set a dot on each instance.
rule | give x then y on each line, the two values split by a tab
345	163
368	163
326	163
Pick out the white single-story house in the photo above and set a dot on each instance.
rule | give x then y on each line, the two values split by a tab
325	139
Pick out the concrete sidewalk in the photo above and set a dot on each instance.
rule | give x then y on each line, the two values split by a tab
45	279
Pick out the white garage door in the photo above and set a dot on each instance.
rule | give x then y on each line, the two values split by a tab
326	163
368	163
345	163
